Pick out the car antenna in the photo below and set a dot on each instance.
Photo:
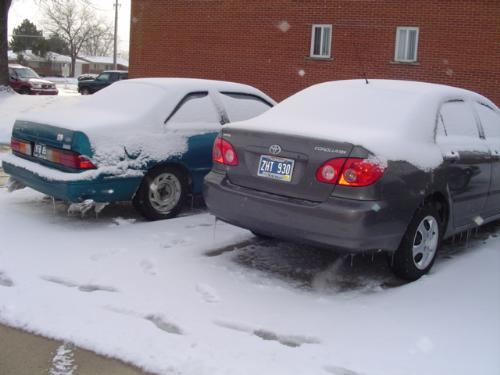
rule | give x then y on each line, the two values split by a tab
360	62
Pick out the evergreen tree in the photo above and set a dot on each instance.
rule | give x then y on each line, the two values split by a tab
27	36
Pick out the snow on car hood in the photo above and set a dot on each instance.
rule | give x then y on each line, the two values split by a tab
393	119
40	81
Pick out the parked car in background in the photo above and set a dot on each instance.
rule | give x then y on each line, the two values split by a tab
384	165
87	76
145	140
25	80
106	78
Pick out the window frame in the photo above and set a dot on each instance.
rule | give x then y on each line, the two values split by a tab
480	134
194	95
398	41
323	26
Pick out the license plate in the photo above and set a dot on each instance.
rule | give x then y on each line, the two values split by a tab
40	151
276	168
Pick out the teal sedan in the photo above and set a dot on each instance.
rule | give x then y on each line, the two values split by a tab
148	141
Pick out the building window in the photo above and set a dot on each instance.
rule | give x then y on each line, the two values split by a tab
321	41
406	44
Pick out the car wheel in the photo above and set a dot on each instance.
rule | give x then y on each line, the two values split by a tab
24	91
85	91
161	194
261	236
417	251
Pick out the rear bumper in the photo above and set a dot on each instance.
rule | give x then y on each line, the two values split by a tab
347	224
44	91
100	189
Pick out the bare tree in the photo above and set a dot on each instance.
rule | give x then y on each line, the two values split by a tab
75	21
99	42
4	61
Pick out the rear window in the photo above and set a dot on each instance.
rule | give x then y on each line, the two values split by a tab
240	107
195	108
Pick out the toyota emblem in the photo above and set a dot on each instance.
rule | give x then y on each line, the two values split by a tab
275	149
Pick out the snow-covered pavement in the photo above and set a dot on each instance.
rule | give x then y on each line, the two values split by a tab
191	296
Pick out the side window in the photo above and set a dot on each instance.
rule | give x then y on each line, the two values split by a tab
240	107
103	77
114	77
490	120
196	107
457	120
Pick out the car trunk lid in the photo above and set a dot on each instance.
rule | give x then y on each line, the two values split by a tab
44	138
260	154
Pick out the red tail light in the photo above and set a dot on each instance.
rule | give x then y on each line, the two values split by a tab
20	146
329	172
223	152
67	158
72	160
350	172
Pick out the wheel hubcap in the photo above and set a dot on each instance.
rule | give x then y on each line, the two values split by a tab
164	192
425	242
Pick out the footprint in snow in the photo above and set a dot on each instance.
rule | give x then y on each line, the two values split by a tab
148	267
5	280
292	341
81	288
174	243
208	293
335	370
158	320
164	325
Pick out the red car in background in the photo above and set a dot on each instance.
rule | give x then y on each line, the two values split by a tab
25	80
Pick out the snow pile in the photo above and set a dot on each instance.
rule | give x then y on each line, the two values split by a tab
184	296
394	119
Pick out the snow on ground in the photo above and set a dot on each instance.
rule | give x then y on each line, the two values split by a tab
12	104
191	296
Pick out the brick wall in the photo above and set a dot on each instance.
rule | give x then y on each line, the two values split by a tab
242	41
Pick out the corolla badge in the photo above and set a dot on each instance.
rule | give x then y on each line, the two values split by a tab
275	149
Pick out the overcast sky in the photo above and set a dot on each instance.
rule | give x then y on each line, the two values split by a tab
21	9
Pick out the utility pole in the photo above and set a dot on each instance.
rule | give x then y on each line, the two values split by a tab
115	65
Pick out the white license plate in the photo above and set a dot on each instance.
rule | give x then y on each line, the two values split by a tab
276	168
40	151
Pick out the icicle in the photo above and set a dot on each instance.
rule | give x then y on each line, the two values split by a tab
215	226
54	206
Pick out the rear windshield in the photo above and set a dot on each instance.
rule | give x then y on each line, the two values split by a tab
129	98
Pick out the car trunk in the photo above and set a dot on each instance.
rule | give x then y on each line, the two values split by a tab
255	153
44	138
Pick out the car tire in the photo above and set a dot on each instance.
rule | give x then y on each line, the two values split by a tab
417	251
162	193
261	236
85	91
24	91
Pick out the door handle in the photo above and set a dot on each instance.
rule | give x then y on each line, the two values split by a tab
451	156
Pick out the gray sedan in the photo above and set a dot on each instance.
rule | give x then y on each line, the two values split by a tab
385	165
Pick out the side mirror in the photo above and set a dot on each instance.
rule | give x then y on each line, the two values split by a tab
14	78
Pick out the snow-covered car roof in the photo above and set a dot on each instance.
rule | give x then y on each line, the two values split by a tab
391	118
127	103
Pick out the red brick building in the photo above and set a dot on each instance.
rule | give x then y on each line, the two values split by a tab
282	46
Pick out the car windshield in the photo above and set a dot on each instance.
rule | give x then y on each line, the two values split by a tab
103	77
26	73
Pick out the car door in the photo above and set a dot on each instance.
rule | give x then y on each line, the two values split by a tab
490	123
101	81
196	117
467	161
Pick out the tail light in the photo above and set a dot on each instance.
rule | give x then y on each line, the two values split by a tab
223	152
350	172
67	158
329	172
20	146
71	160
